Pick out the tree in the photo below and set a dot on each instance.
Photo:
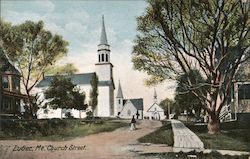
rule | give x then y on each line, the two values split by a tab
167	104
62	93
68	69
94	93
184	98
210	36
32	50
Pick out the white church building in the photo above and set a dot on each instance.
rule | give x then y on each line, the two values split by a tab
155	111
127	108
104	71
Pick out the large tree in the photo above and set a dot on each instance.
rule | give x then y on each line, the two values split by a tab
210	36
62	93
32	49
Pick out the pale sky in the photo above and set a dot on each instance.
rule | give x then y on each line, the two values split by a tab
79	22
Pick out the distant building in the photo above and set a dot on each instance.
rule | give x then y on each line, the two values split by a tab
10	94
104	72
126	108
155	111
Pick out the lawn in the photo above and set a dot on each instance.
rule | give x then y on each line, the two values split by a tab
57	129
230	139
163	135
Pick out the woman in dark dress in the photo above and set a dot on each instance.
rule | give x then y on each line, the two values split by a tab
132	127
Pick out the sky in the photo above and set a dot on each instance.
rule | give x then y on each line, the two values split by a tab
79	22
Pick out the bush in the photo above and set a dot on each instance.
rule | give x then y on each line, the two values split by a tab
16	128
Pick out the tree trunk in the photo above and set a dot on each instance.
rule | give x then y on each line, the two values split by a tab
213	123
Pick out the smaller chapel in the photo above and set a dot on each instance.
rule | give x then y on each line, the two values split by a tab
127	108
155	111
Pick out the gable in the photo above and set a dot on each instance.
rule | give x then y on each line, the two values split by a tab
128	106
155	107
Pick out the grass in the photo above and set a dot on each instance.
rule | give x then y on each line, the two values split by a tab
71	129
212	155
230	139
163	135
224	141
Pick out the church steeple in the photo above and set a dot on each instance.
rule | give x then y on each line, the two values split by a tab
103	47
155	96
119	92
103	39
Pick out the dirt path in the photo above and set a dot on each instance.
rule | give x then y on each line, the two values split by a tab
118	144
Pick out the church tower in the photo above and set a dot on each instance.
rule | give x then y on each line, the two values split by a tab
119	99
104	71
155	96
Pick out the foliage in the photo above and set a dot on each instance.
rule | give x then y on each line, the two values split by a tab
67	69
185	99
210	36
167	103
32	49
54	129
89	115
94	92
62	93
69	115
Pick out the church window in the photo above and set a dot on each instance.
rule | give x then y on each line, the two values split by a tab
107	58
128	112
119	101
99	58
102	57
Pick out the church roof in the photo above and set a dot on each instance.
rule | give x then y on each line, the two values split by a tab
159	108
119	92
77	79
103	39
138	103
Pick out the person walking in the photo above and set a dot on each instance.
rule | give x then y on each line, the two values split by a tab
133	121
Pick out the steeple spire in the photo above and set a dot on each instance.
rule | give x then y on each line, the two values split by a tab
103	39
119	92
155	96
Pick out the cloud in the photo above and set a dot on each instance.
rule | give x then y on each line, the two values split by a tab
75	28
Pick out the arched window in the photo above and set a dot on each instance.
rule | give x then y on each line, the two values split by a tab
128	112
107	58
99	58
102	57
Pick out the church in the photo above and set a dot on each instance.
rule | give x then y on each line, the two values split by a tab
104	71
127	108
155	111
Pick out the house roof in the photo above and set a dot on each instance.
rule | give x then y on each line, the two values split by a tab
5	65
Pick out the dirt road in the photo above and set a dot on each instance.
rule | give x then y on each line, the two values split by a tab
118	144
